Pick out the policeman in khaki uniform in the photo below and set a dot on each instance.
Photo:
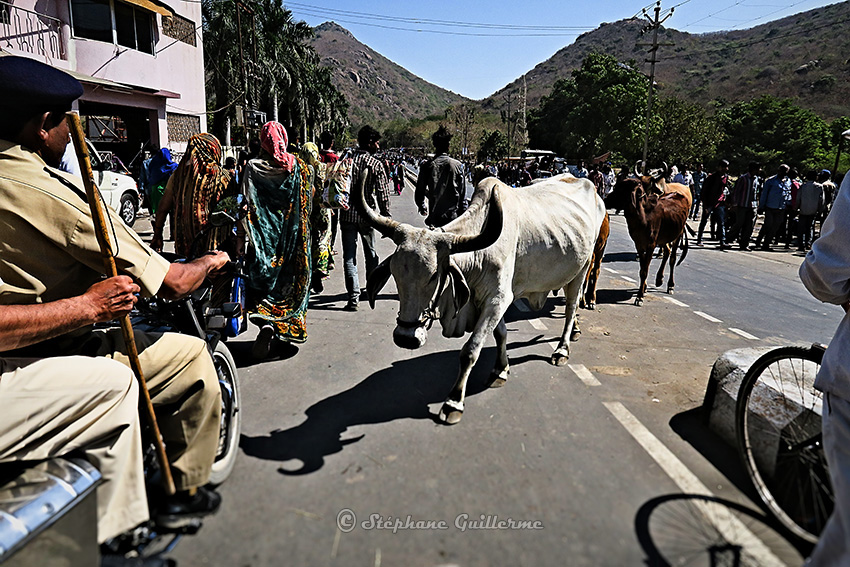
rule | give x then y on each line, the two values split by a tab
49	258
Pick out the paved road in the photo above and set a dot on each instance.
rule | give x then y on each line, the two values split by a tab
590	462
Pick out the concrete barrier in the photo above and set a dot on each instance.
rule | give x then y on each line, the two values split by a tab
772	414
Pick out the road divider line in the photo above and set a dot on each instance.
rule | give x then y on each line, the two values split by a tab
744	334
708	317
584	375
675	301
519	304
538	324
611	271
730	527
628	279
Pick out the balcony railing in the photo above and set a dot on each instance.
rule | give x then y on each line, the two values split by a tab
31	32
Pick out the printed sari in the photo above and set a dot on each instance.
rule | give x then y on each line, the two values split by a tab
279	268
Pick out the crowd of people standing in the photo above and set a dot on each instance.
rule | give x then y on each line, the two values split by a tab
789	206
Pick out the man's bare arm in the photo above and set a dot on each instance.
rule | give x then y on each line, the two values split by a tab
185	277
23	325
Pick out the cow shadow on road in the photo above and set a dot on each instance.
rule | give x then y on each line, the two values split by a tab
403	391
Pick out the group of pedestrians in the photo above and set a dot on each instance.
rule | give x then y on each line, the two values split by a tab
789	206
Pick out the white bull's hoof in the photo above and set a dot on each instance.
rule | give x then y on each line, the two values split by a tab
451	412
639	301
498	378
591	306
560	357
670	290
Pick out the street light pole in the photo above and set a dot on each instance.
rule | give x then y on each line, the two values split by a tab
654	24
844	136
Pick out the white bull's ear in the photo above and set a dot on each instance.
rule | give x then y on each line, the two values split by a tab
460	289
377	279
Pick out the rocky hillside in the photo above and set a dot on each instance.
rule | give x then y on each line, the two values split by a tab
377	89
805	57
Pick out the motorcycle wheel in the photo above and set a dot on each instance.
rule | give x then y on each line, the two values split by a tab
231	416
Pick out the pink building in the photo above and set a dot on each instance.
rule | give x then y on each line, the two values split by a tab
141	63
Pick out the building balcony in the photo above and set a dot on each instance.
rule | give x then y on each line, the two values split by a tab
25	31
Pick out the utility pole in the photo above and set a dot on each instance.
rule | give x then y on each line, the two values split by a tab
654	24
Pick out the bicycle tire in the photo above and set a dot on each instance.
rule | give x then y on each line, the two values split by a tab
778	425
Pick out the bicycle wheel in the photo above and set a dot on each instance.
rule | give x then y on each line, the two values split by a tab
779	437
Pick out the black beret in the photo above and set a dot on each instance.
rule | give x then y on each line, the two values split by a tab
27	83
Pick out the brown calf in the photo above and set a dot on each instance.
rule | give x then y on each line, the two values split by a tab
587	300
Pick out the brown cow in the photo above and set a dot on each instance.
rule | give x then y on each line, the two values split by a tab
655	182
653	220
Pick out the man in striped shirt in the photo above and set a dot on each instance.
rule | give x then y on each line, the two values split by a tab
377	186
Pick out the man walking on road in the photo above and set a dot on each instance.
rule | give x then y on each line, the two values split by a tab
713	202
772	204
744	201
377	187
441	181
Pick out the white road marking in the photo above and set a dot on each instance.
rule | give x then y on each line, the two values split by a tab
744	334
730	527
584	375
674	301
536	323
708	317
554	345
611	271
628	279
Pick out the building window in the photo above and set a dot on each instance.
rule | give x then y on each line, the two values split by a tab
113	22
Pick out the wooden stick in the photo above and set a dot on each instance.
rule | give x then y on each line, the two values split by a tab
99	218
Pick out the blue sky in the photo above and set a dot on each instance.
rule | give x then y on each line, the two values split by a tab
482	46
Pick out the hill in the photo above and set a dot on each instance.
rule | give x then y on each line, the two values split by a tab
804	57
377	89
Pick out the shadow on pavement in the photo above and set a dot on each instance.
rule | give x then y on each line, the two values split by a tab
696	529
241	351
619	257
403	391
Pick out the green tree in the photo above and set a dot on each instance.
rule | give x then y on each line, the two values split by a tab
682	133
600	108
493	145
773	131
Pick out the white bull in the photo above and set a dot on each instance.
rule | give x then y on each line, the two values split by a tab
510	243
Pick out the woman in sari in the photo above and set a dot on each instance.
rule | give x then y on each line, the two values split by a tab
159	170
278	187
196	186
320	219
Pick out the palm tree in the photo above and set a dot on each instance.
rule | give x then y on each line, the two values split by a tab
284	74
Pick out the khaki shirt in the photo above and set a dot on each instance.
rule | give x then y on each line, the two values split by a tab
48	247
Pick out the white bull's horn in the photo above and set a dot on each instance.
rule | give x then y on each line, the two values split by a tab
638	164
489	232
387	227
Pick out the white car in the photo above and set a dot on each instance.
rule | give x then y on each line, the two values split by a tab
119	190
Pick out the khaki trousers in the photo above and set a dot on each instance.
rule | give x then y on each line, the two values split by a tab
184	388
53	406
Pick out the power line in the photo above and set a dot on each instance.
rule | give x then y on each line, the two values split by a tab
430	22
771	13
445	32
